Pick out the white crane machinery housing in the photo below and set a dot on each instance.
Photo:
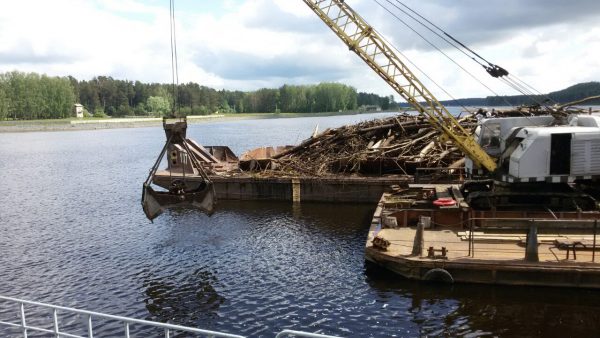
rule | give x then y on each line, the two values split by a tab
532	149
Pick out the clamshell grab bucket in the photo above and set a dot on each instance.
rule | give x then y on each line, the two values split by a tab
155	202
185	181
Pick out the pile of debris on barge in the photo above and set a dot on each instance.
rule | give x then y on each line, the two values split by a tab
398	145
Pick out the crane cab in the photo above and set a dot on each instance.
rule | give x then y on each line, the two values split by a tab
532	149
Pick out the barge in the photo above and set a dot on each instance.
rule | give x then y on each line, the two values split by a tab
417	239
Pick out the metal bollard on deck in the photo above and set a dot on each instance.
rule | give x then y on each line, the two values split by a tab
594	243
531	248
419	242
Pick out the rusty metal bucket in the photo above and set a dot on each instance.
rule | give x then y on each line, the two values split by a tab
155	202
185	181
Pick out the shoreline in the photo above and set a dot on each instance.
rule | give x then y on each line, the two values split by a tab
143	122
86	124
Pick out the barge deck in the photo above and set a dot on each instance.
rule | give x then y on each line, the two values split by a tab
565	254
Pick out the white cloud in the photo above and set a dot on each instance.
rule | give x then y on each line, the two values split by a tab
248	44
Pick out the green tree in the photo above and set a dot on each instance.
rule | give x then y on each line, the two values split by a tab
4	105
88	95
158	105
59	97
107	91
31	96
99	112
140	95
124	110
75	85
140	109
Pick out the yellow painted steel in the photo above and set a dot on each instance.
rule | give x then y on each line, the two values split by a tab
362	39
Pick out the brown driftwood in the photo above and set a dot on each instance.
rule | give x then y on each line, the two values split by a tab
398	144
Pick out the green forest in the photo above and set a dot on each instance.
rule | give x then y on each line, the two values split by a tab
26	96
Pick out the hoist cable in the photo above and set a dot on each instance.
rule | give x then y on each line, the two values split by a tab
492	69
174	63
430	79
503	98
433	31
532	96
511	83
533	89
438	49
441	30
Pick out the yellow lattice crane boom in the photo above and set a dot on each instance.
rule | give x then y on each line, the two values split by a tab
362	39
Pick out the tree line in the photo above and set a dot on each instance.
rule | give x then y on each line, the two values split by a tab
34	96
570	94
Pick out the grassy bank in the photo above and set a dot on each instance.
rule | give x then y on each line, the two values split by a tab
132	122
45	121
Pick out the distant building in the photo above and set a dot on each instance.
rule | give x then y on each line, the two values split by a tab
368	108
78	109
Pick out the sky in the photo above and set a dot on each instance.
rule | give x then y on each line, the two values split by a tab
251	44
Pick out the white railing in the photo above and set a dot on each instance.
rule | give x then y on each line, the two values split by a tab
91	317
292	333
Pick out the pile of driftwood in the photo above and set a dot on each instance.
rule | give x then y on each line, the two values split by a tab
395	145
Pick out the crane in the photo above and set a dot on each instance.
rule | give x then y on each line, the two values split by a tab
362	39
542	160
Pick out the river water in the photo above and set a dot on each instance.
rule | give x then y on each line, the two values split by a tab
72	233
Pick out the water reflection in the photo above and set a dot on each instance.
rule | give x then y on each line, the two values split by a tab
186	300
482	310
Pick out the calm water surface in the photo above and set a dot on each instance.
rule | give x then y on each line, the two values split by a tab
72	233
